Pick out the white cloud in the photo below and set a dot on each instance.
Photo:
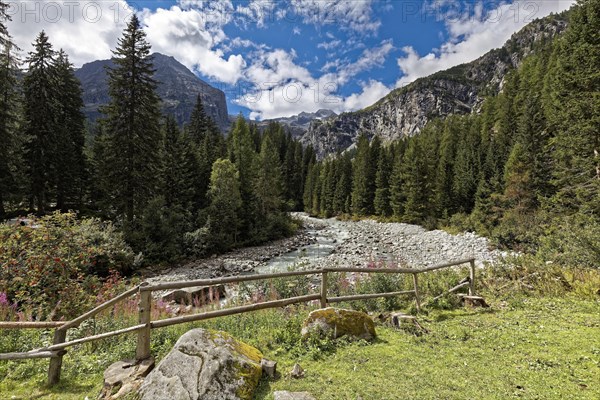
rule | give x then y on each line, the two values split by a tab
280	87
192	37
329	45
473	35
356	15
86	30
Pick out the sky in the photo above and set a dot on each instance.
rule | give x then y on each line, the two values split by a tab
279	58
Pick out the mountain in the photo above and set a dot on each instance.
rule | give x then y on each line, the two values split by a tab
458	90
299	124
178	88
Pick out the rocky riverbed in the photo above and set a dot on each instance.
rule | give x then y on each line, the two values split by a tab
349	243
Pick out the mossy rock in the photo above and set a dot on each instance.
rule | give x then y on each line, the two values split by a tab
335	322
205	365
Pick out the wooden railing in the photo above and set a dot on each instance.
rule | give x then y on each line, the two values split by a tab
144	291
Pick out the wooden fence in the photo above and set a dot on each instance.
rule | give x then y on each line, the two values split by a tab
144	291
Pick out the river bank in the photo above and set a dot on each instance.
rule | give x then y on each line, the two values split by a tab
323	243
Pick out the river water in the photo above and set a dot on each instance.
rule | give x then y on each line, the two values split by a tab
328	235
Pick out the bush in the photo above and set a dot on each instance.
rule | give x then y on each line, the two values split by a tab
51	268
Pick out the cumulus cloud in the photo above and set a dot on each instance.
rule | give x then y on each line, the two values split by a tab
356	16
280	87
192	37
474	33
86	30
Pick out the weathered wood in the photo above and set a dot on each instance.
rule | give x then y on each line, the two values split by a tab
372	270
144	311
30	355
416	286
30	325
445	265
93	338
454	289
472	278
368	296
222	281
474	301
324	290
56	362
269	367
75	322
235	310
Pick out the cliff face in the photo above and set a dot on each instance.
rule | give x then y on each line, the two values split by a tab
178	88
459	90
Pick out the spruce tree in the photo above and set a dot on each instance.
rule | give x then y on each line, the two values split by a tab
11	150
363	185
575	112
268	182
132	124
382	184
41	121
225	204
69	157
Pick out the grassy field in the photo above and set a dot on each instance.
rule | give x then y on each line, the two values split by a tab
527	348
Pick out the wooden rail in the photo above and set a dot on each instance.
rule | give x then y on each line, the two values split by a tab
145	324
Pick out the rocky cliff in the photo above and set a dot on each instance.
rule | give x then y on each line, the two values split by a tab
459	90
178	88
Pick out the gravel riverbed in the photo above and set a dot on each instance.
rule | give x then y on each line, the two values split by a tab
357	243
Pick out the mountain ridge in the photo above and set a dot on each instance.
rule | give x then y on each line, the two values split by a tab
178	89
457	90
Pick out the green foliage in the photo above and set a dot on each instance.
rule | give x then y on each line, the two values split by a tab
49	267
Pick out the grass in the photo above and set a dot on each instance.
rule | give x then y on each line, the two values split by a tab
522	347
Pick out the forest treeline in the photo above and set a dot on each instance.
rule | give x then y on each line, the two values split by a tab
173	192
526	165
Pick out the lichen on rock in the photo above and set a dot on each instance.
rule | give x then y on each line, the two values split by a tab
205	365
334	323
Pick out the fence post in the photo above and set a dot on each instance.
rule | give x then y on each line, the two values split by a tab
144	311
472	278
324	289
416	283
60	335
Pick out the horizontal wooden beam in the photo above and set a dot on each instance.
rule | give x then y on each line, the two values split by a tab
373	270
30	325
444	265
30	355
75	322
368	296
222	281
234	310
100	336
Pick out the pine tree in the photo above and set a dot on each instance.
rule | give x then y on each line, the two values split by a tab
225	204
11	150
382	184
363	184
575	112
268	183
132	124
69	157
397	190
41	125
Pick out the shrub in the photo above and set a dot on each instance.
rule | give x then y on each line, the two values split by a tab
51	267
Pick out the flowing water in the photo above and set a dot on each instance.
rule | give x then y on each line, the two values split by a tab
327	239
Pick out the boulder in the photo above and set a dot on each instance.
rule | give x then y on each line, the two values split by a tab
334	322
124	377
205	365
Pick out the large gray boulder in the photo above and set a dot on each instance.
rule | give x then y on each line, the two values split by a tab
205	365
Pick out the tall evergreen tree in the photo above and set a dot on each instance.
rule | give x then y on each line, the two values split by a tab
268	183
41	125
363	184
69	157
575	112
11	150
382	184
132	123
225	204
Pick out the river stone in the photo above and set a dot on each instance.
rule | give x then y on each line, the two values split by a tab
335	322
205	365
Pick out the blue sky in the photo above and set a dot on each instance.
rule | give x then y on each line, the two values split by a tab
280	58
